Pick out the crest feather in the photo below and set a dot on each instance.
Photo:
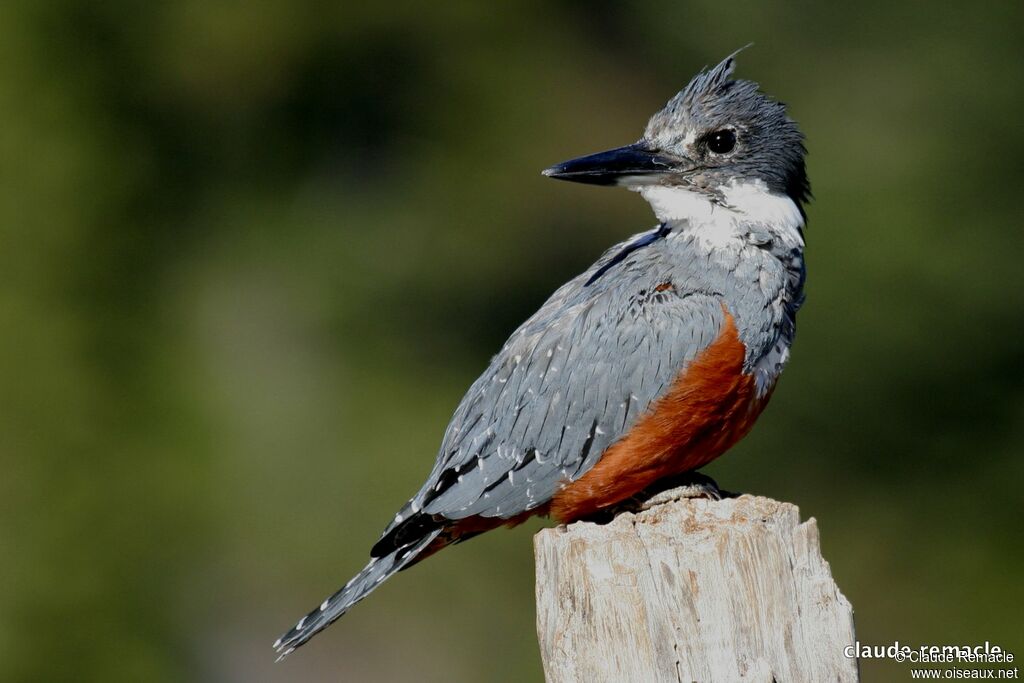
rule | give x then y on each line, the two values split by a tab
710	80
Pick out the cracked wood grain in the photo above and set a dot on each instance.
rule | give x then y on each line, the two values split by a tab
693	590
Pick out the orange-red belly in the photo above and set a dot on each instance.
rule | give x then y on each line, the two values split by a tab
710	406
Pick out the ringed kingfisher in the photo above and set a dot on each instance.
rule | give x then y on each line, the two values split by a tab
643	368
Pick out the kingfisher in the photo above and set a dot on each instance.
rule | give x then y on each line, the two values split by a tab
646	366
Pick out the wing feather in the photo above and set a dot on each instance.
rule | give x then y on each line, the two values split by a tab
568	383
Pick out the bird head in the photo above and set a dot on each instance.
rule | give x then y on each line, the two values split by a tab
715	133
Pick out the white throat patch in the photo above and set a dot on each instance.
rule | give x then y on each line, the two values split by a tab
719	224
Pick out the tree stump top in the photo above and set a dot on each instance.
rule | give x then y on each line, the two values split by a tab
693	590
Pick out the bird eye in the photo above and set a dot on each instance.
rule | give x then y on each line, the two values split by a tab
721	141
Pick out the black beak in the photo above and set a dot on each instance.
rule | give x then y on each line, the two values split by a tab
607	168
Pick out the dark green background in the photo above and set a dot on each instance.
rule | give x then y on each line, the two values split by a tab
251	255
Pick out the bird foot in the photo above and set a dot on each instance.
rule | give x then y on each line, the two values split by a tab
683	487
688	486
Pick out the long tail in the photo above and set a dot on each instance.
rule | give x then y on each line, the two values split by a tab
361	585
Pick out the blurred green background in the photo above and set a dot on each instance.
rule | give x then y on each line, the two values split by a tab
251	255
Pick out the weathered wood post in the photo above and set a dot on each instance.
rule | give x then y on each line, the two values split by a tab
692	590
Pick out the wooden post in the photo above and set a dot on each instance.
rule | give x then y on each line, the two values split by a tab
692	590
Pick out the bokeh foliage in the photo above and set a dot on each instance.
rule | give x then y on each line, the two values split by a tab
252	254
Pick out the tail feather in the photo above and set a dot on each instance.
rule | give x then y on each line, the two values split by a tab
361	585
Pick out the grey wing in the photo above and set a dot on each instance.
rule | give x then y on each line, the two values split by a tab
568	383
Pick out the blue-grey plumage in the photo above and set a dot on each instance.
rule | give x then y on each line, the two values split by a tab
722	166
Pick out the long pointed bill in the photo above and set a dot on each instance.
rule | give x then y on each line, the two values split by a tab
635	162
